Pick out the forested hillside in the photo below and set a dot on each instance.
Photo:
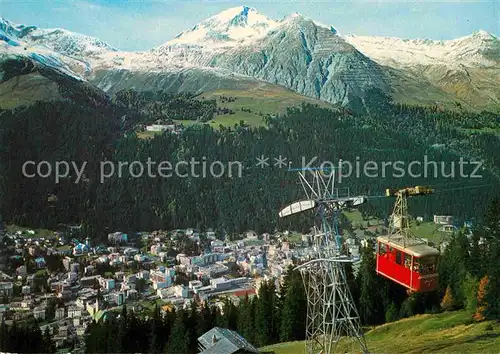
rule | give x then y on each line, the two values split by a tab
80	132
166	106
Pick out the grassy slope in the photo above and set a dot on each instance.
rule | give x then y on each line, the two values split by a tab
474	89
25	90
356	219
38	232
427	229
268	99
448	332
430	231
265	99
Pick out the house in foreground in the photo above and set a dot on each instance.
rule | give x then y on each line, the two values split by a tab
224	341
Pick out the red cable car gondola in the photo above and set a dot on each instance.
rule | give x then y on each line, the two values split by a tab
414	267
403	258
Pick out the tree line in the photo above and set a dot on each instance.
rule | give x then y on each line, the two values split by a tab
271	317
73	131
155	105
27	338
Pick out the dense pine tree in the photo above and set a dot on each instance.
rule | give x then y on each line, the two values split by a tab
4	336
157	327
453	268
205	321
192	328
294	309
48	345
492	233
178	340
266	319
371	307
391	314
246	319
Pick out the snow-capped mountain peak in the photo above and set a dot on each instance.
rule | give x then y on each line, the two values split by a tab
482	34
57	39
68	43
238	16
59	49
296	18
228	28
478	49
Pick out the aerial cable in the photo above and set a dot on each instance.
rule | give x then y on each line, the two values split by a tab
466	187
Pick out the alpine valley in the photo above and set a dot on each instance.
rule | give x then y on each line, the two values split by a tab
140	192
241	49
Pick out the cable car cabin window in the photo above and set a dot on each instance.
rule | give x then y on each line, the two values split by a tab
416	265
428	264
399	257
425	265
382	250
391	254
407	260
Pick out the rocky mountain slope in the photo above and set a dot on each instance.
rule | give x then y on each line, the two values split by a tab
30	72
241	47
467	68
295	52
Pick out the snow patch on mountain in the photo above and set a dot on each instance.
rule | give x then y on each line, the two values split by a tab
10	31
478	49
68	43
297	17
229	28
14	43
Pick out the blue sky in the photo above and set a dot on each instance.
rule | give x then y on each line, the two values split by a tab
141	25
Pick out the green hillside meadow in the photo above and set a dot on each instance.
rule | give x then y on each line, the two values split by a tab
449	332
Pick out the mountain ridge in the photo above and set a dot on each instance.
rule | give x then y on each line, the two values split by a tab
467	67
240	44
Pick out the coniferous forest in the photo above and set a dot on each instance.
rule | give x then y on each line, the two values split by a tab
84	133
469	280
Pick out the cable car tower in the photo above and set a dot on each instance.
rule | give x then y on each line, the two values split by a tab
332	317
399	227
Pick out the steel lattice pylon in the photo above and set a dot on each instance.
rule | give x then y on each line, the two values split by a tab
333	323
399	227
332	319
